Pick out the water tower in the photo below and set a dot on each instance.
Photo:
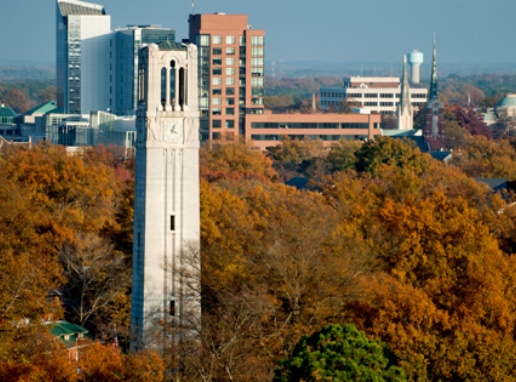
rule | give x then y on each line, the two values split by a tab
415	59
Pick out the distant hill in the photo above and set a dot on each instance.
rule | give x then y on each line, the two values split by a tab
296	69
10	71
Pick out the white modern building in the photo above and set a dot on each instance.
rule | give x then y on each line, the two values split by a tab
377	94
166	263
97	67
84	57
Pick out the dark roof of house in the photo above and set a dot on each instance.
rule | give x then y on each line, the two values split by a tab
441	155
495	183
299	182
420	143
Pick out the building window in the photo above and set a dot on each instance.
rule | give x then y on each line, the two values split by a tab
216	81
257	81
217	71
230	61
216	123
257	41
257	62
204	40
230	111
230	71
230	124
216	101
242	40
230	101
257	72
230	51
216	111
371	95
217	39
172	223
172	308
257	52
230	91
230	40
217	51
216	91
217	61
230	80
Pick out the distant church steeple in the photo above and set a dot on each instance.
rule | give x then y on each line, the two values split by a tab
433	79
404	114
433	129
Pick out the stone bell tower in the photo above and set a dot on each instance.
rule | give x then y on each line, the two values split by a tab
166	262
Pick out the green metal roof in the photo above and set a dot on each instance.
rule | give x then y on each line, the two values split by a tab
171	45
7	112
67	332
45	108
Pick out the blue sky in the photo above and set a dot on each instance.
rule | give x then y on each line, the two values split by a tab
468	31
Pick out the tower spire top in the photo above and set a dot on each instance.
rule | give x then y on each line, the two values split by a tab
404	94
433	80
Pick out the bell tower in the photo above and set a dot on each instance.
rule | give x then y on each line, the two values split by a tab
166	263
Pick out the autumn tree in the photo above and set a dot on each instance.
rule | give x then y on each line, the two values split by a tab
481	157
389	151
17	100
469	119
294	156
234	160
338	353
73	213
47	94
342	155
98	279
30	353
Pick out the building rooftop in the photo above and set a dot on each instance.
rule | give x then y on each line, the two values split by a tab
76	7
67	332
171	45
508	101
45	108
6	111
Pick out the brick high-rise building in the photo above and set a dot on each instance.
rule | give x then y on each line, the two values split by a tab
231	72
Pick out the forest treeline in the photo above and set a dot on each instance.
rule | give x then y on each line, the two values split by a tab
413	252
292	94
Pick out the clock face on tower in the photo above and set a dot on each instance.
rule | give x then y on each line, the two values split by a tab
172	131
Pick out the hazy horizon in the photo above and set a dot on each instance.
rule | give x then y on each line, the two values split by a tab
371	31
